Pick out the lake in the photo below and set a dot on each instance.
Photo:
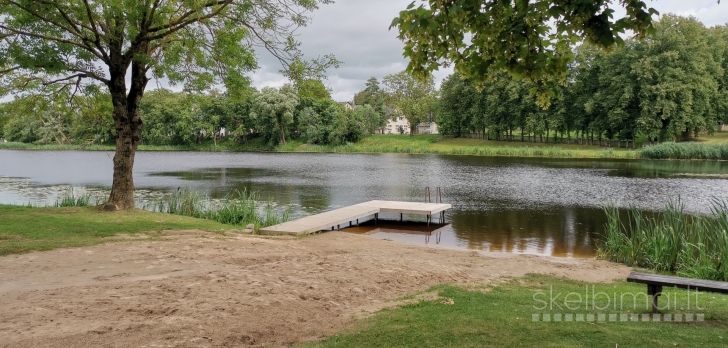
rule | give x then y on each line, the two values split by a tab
500	204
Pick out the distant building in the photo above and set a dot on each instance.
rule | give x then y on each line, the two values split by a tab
396	125
399	125
723	127
347	105
428	128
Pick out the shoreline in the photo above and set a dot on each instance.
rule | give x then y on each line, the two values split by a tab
434	145
547	151
505	150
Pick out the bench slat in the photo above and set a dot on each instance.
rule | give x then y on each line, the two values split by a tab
679	282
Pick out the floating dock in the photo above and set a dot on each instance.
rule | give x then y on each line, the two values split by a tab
331	220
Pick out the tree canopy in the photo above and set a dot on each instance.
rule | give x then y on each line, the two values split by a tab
667	87
528	39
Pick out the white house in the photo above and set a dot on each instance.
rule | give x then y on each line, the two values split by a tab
347	105
397	125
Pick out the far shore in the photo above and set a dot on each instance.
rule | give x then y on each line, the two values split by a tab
416	144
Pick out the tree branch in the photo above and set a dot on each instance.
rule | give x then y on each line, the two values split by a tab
183	21
53	38
47	83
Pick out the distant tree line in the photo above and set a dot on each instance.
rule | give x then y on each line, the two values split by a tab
672	85
306	112
273	115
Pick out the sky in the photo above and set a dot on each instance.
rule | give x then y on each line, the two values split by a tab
357	33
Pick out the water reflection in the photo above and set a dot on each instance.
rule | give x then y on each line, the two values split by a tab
522	205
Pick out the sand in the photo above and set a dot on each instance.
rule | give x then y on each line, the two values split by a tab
197	289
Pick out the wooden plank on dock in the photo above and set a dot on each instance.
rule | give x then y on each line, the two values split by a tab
334	218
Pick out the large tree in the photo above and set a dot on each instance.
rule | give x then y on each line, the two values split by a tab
529	39
273	111
55	45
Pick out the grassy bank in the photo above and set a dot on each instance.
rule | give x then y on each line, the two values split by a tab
503	317
25	229
671	242
708	147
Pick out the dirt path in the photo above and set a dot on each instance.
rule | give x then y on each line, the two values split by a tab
199	289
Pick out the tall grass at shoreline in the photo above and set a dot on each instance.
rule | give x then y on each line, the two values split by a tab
427	144
238	208
672	241
525	151
686	151
70	199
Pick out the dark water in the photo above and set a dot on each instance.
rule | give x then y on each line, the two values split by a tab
522	205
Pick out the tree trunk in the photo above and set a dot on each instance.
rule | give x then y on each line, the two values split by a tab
283	132
128	126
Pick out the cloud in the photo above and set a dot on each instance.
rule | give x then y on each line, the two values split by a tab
357	33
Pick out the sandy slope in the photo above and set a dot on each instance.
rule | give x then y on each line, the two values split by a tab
198	289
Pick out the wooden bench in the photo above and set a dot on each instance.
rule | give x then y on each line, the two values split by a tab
655	282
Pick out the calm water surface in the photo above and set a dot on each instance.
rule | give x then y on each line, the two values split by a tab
519	205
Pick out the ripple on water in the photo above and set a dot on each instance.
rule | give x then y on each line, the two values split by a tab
524	205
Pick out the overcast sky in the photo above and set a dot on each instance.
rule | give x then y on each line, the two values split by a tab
357	33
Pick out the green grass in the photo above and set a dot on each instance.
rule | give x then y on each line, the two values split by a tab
24	228
502	317
431	144
671	241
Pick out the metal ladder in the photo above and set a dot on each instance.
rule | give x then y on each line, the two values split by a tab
438	199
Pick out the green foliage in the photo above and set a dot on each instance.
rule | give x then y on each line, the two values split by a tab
673	241
313	89
371	119
273	112
414	99
665	88
21	129
322	122
669	87
528	39
169	118
4	119
92	122
197	43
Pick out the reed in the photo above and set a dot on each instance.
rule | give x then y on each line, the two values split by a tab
69	199
686	151
238	208
671	241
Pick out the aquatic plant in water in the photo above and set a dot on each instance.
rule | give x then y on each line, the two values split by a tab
237	208
671	241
